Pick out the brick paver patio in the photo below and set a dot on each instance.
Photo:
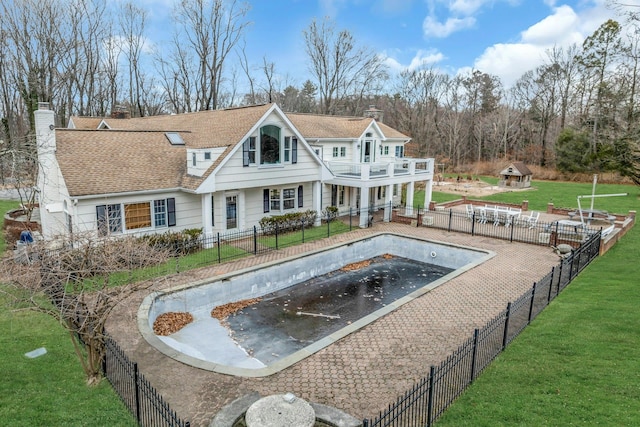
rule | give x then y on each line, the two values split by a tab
364	372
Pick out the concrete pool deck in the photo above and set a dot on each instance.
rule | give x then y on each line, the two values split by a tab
365	371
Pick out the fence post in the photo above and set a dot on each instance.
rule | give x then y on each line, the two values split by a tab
365	423
328	226
513	226
218	245
474	355
432	374
276	235
533	297
450	218
349	218
473	223
303	230
553	270
555	236
505	336
255	240
136	379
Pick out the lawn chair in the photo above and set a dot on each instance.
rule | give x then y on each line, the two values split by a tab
532	219
470	212
482	218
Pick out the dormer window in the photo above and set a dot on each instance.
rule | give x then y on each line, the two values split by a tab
270	145
207	155
193	159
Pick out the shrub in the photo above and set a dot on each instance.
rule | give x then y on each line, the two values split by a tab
330	213
178	243
288	222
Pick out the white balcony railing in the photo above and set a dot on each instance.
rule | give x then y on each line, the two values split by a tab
367	171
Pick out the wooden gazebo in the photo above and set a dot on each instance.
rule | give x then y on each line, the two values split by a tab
516	175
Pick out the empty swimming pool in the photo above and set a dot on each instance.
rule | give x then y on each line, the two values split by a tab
292	322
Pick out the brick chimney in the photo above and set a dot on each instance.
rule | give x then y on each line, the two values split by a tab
120	112
374	113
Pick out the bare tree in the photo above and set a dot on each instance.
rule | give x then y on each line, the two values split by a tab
74	287
339	66
132	20
208	31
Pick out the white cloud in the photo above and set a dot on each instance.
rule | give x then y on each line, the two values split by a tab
422	58
563	27
432	28
552	29
466	7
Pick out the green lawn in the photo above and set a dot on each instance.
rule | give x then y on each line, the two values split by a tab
49	390
578	363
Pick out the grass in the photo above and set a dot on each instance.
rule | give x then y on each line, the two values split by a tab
50	389
310	234
578	363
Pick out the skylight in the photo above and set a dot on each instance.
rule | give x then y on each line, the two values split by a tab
174	138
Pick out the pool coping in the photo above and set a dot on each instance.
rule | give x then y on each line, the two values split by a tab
161	346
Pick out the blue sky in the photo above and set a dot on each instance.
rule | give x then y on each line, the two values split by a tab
501	37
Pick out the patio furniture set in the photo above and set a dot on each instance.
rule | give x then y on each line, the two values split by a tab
502	215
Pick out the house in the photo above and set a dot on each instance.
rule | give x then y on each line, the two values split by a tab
516	175
216	170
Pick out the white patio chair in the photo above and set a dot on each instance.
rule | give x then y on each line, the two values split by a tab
470	212
482	216
532	219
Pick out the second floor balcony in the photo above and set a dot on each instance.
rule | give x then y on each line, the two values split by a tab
382	170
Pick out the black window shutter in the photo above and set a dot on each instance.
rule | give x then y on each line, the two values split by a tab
171	212
245	153
294	150
334	195
300	196
265	200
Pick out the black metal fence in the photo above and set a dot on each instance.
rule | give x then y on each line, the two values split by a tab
522	229
143	400
432	395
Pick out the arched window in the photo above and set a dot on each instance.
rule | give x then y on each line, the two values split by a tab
269	145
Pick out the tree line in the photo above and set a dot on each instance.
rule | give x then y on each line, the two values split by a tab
577	112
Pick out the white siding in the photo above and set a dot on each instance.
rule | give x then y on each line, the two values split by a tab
188	212
234	176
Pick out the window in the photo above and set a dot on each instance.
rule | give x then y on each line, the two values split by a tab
109	219
300	196
399	151
287	149
334	195
232	212
249	151
343	151
137	215
164	212
275	200
289	198
207	155
294	150
335	151
160	213
341	195
193	159
386	150
269	145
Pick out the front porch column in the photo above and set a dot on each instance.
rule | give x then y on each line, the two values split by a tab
317	201
364	207
207	219
409	198
388	198
428	192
